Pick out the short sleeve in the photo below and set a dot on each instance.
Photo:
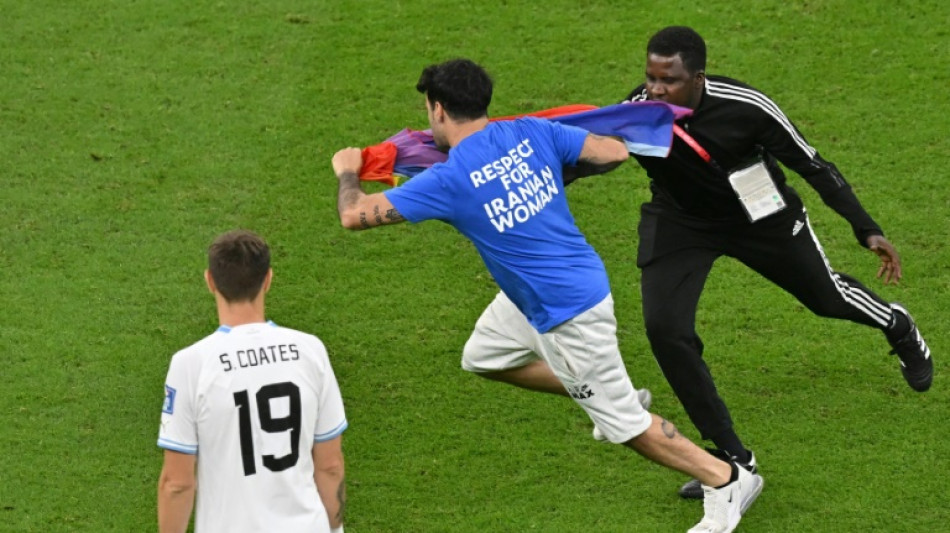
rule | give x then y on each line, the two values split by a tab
422	197
331	418
178	431
568	141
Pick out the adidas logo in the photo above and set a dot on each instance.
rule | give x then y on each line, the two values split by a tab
798	227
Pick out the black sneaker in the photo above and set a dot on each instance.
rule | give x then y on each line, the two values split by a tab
693	489
914	354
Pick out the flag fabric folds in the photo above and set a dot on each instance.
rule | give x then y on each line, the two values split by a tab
645	127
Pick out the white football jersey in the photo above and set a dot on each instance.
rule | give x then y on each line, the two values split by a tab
251	401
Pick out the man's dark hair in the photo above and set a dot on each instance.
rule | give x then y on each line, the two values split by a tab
681	40
238	261
461	86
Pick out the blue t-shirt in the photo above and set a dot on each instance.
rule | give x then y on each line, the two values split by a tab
502	188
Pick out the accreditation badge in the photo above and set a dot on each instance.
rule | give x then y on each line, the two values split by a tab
756	191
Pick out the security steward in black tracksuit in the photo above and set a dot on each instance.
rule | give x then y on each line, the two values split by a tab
721	192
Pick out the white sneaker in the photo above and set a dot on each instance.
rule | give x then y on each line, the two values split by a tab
693	489
646	400
723	508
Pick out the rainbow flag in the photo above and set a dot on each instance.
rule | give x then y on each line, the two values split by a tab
645	127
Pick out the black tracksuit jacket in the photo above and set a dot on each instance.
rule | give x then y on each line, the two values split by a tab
732	122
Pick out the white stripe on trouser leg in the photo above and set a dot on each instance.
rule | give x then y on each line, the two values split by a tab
853	295
864	301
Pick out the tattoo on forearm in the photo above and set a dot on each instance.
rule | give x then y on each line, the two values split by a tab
349	191
394	216
350	194
668	429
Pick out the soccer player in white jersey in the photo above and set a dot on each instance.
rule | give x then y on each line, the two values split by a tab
255	409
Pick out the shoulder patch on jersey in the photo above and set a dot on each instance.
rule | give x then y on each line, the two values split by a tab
169	405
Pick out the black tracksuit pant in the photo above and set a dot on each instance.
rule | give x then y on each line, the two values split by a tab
676	256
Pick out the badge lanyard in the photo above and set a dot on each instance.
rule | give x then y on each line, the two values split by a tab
752	184
694	144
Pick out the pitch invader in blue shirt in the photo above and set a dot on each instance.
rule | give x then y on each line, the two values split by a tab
552	326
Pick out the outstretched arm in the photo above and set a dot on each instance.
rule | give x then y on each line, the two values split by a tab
779	137
359	210
599	155
825	178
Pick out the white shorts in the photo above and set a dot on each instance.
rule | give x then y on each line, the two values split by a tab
582	353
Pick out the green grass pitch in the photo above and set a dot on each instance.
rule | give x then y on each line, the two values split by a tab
131	133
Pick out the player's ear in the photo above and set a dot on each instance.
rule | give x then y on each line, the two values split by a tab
267	279
209	281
